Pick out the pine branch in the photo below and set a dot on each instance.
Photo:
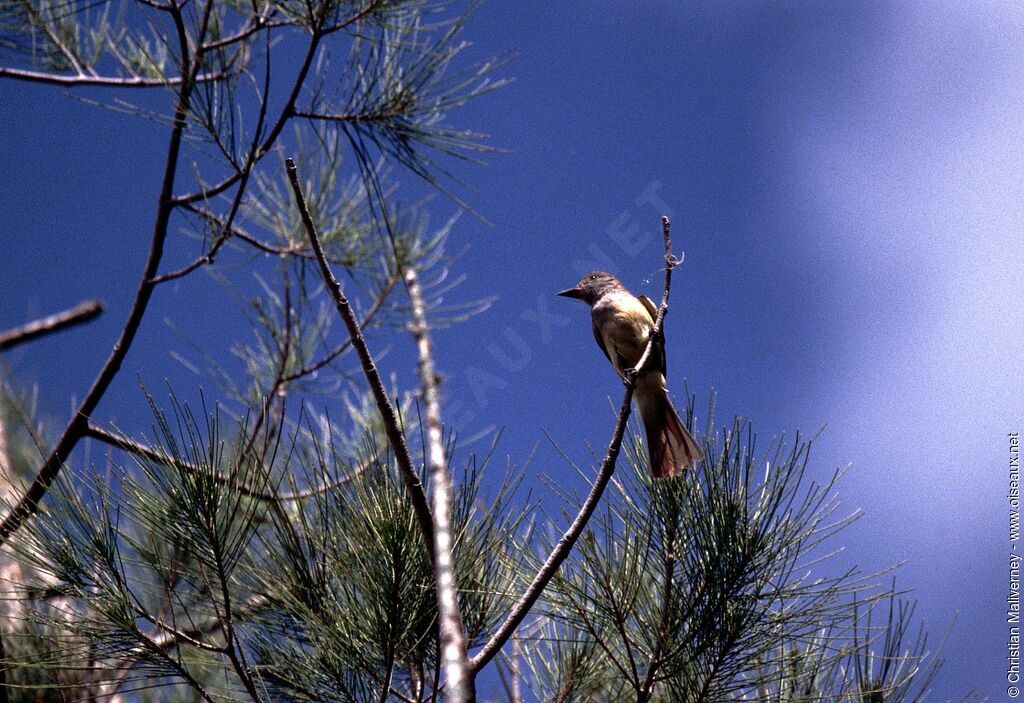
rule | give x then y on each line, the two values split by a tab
168	638
245	172
65	51
394	432
233	647
564	546
287	112
28	504
667	590
83	312
460	687
315	366
511	674
131	446
234	230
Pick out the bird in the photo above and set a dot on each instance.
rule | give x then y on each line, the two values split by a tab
622	324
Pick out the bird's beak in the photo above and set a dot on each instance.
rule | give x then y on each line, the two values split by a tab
571	293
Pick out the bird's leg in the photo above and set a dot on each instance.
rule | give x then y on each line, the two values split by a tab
628	374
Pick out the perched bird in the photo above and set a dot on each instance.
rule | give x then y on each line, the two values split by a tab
622	325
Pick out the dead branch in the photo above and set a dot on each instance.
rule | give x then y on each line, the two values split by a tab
83	312
458	679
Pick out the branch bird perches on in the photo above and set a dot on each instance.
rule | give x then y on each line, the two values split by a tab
568	540
414	488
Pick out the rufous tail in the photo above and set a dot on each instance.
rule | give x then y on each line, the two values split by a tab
672	448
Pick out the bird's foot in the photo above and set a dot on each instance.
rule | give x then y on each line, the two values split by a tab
629	377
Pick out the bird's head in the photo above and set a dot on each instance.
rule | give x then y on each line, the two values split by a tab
592	287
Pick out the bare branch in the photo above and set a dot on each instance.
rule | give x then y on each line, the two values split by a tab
459	683
80	80
397	440
83	312
163	7
564	546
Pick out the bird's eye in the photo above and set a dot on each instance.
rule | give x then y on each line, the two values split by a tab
593	277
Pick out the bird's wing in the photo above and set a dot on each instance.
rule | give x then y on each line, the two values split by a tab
651	307
659	344
600	340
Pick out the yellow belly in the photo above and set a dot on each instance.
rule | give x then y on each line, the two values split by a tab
624	325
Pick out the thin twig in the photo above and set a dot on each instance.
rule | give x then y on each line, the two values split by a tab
595	634
565	544
459	682
356	117
255	24
83	312
372	7
395	437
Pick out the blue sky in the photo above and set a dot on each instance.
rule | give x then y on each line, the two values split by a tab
847	183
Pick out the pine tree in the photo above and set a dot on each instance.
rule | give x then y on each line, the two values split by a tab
256	547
